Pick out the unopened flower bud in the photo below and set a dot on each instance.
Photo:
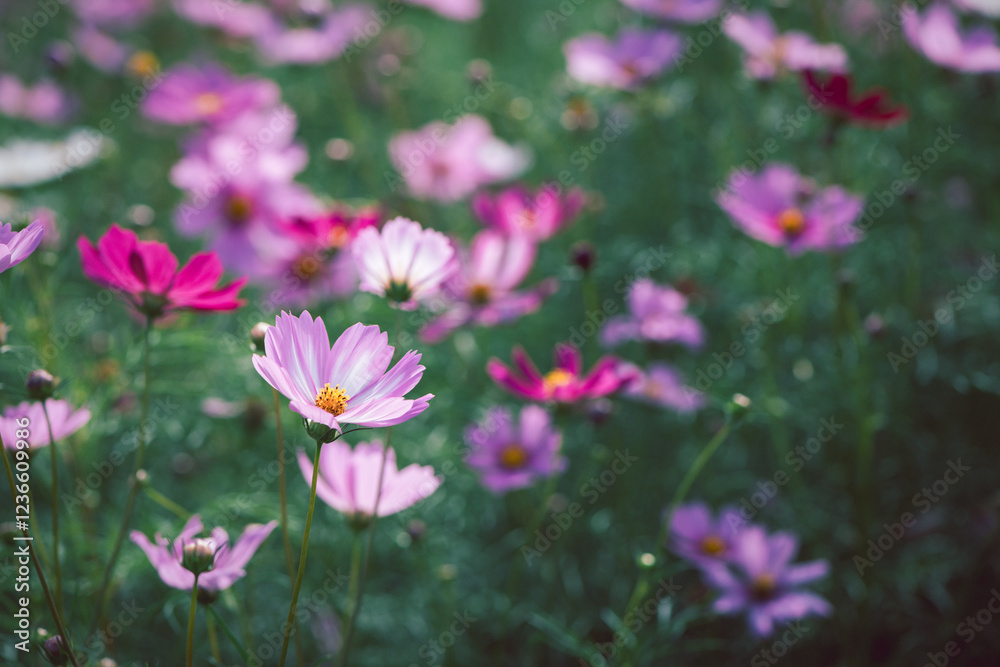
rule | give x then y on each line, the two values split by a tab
199	556
40	384
738	406
416	529
257	336
583	254
55	650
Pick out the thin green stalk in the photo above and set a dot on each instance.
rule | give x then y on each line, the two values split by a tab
357	551
356	606
55	509
190	636
283	492
213	641
244	655
166	503
289	623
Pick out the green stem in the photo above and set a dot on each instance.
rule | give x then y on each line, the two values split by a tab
194	609
283	492
289	623
55	509
244	655
213	641
166	503
357	551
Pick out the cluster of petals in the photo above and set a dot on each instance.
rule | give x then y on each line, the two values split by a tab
633	58
510	455
936	34
537	215
871	108
656	314
661	385
769	53
565	383
190	94
64	417
45	102
15	247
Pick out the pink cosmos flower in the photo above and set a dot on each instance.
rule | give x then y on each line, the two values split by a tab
936	34
235	18
511	456
16	246
66	420
457	10
782	208
656	314
146	272
206	93
100	49
449	162
45	102
661	385
687	11
537	215
404	262
989	8
311	32
760	581
230	559
113	13
348	480
701	538
483	291
300	364
633	58
768	53
565	383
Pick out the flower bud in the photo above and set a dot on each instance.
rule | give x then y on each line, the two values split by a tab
257	336
40	384
738	406
583	254
55	650
416	529
199	556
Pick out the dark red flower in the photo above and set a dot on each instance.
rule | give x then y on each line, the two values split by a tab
871	107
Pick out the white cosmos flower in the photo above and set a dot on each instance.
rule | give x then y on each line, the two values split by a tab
27	162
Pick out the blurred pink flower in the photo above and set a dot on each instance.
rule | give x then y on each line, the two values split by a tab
348	480
701	538
146	271
511	456
633	58
403	262
656	314
66	420
483	291
458	10
936	34
112	13
301	365
100	49
16	246
450	162
565	383
782	208
661	385
769	54
45	102
230	559
989	8
207	93
537	215
687	11
323	33
235	18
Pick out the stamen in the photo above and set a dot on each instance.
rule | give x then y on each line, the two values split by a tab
333	400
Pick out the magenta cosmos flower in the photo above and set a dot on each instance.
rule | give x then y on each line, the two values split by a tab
565	383
782	208
511	456
661	385
206	94
936	34
66	420
656	314
146	272
404	262
701	538
16	246
345	384
230	559
45	102
538	215
449	162
348	480
686	11
633	58
760	581
483	291
768	53
457	10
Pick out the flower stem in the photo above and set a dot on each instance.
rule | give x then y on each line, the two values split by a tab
134	490
213	641
194	609
55	508
289	623
283	492
228	633
356	605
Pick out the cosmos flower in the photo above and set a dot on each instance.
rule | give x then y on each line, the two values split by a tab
565	383
782	208
634	57
229	559
348	480
701	538
16	246
146	272
871	108
206	93
768	53
936	34
45	102
24	162
661	385
113	13
483	291
66	420
345	384
537	215
234	18
403	262
686	11
509	455
759	580
449	162
311	32
457	10
656	314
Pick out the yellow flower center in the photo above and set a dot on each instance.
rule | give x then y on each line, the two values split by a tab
143	63
333	400
557	378
791	221
763	587
208	104
713	546
306	267
239	208
479	294
337	237
527	219
513	456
